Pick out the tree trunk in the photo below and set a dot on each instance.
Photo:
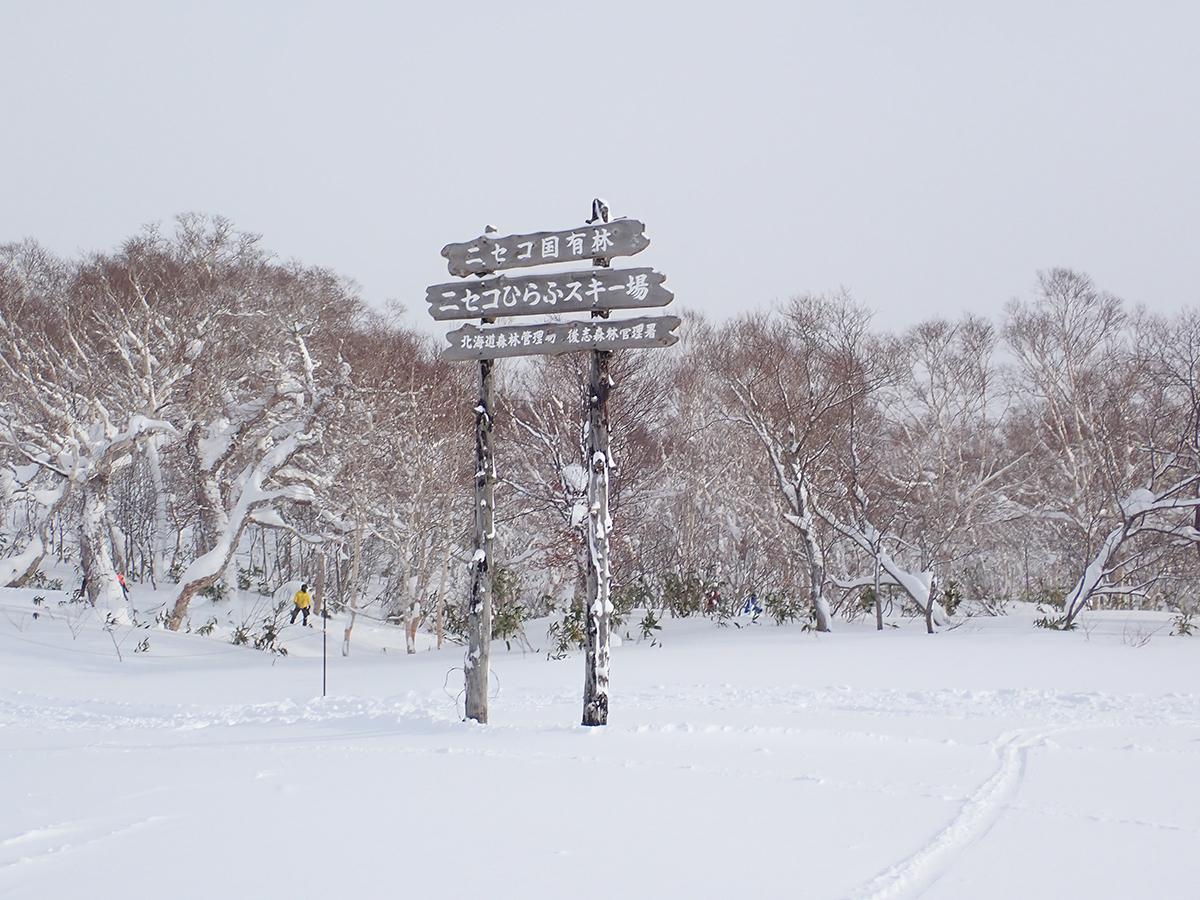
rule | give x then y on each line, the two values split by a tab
354	569
411	622
120	560
929	601
806	524
479	613
599	523
193	586
20	568
878	598
1080	596
158	542
17	570
816	569
210	502
440	616
100	576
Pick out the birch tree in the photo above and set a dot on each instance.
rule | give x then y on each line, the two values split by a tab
86	380
792	378
1115	459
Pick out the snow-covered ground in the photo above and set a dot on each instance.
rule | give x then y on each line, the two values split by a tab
991	761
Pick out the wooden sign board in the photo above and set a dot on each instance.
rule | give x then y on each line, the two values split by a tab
531	295
473	342
600	240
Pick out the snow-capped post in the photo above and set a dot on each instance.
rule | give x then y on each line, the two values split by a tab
477	666
599	524
594	291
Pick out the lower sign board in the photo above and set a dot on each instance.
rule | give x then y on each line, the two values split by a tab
545	294
545	338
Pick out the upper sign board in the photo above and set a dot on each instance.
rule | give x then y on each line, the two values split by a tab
600	240
561	292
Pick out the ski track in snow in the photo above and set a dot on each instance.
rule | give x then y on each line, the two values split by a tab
49	841
1036	714
977	814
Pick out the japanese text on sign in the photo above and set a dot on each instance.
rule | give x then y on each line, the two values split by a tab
564	292
472	342
624	237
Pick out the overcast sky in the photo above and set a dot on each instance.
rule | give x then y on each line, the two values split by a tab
928	157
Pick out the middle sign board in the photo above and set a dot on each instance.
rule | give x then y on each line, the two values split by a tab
562	292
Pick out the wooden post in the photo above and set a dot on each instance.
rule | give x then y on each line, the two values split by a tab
319	584
599	525
479	614
489	254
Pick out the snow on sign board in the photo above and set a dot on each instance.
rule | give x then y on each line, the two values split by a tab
597	289
545	338
600	240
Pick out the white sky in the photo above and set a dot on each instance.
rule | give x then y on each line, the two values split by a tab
929	157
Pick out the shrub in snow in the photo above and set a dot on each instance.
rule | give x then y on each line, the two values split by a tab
1055	623
507	623
268	637
39	580
216	591
650	627
247	576
783	608
1182	625
687	595
508	615
566	635
951	597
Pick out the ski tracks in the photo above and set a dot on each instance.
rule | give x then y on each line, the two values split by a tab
975	817
50	841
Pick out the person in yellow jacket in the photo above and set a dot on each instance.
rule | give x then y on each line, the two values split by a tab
302	604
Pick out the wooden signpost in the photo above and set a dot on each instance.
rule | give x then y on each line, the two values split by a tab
600	240
596	291
550	338
547	294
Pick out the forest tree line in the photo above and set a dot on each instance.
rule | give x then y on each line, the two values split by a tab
196	414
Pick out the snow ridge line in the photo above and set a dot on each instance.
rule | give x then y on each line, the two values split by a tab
975	818
955	703
98	715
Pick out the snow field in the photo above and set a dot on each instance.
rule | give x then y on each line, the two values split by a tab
994	760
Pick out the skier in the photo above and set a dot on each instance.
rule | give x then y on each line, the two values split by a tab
124	587
303	603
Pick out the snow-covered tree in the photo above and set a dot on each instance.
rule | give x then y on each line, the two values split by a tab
88	373
793	378
1115	446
